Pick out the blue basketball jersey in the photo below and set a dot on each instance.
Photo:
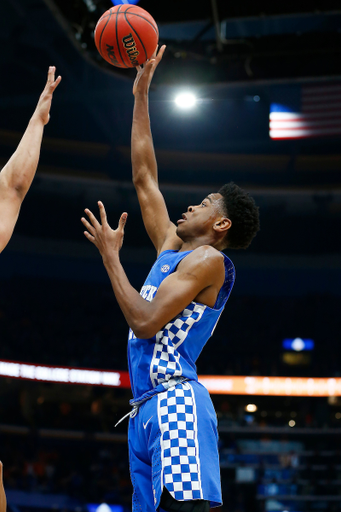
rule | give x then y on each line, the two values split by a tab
173	351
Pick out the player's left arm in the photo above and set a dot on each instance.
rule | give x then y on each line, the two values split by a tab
201	270
17	175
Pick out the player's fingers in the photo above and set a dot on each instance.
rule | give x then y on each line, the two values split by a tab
148	65
155	53
122	221
88	226
102	213
92	218
161	52
89	237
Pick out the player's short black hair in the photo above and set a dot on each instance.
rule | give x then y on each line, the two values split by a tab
241	209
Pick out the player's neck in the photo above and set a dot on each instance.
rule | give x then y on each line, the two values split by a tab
190	245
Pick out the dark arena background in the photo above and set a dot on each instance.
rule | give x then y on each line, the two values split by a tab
267	78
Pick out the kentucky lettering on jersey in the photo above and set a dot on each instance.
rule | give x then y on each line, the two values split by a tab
173	351
148	292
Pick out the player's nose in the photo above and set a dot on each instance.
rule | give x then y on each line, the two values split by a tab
190	208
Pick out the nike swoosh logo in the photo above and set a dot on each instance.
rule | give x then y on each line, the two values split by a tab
145	424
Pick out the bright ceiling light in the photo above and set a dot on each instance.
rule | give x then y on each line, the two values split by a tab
251	408
298	344
185	100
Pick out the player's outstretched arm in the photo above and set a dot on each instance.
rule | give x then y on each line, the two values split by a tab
17	175
201	272
3	502
154	211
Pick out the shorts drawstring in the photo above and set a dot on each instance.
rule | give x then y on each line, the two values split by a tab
136	403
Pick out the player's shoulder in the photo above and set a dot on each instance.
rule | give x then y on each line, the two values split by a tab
207	251
205	255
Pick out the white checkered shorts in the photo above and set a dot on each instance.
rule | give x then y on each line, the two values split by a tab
165	363
179	443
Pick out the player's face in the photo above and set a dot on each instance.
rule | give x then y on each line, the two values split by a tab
199	219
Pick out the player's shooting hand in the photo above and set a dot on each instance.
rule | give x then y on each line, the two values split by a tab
106	239
42	110
2	492
146	71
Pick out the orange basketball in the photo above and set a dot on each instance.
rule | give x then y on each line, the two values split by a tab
126	36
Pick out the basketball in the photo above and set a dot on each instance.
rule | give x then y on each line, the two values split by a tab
126	36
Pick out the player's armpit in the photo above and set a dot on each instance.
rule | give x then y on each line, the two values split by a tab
155	216
199	276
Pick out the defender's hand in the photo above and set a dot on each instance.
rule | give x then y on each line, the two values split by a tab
42	110
106	239
146	71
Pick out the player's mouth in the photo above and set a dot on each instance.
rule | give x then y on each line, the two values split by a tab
184	218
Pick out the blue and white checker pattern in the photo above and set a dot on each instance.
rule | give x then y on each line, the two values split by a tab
165	361
179	443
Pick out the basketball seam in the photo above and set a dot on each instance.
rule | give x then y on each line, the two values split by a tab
117	42
145	19
130	7
100	37
137	35
132	14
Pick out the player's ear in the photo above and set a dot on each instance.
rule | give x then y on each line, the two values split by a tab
222	225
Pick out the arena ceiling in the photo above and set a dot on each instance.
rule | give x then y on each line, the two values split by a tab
85	153
217	41
92	108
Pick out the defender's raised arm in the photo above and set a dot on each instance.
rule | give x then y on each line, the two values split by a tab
17	175
154	211
3	501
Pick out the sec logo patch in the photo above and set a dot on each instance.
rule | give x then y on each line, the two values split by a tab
165	268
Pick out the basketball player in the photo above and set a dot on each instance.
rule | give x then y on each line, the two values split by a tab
17	175
173	435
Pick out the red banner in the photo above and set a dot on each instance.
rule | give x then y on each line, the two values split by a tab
233	385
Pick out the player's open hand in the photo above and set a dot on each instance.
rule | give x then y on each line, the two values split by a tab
2	492
106	239
146	71
44	104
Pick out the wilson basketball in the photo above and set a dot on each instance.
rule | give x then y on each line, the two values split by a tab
126	36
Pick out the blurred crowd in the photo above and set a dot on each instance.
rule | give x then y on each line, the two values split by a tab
254	469
86	471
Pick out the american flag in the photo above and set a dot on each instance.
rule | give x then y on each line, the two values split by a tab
315	113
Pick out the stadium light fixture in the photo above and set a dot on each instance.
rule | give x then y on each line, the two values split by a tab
185	100
251	408
298	344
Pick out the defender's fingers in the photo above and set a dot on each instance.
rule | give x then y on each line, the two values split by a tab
92	218
102	213
88	226
122	221
56	83
50	74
